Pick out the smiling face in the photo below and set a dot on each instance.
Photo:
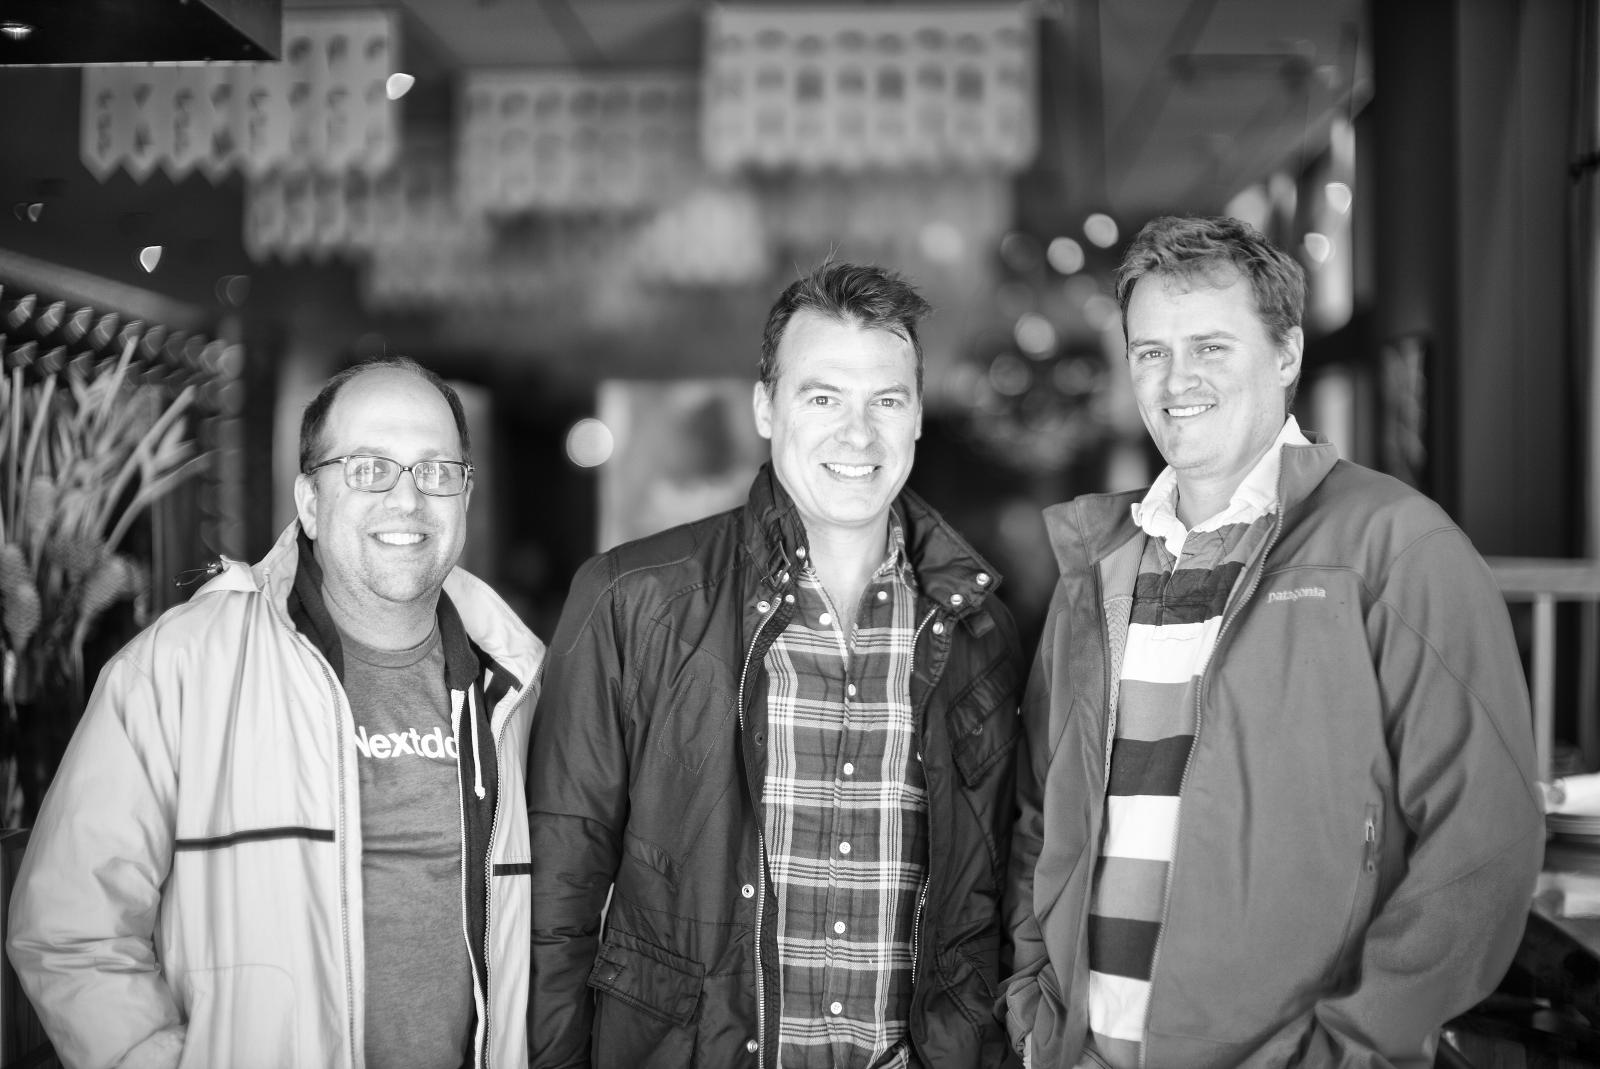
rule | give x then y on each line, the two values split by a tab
384	556
844	416
1209	381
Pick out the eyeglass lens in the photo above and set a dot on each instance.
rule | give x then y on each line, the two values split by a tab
376	474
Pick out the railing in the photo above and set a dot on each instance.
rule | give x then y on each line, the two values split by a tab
1545	581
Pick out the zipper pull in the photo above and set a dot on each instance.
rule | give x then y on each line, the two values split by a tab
190	576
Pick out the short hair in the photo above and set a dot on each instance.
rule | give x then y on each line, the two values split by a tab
1204	248
316	413
866	296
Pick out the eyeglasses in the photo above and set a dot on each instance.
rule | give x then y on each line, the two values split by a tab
377	475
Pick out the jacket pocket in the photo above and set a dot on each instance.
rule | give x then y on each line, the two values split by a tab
983	722
241	1016
647	1004
1366	886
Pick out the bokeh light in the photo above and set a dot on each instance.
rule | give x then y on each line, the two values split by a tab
589	443
1065	255
1101	229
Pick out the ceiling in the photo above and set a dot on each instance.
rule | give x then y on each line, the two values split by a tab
1148	106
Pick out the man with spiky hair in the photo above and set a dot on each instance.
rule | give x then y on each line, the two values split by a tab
1276	791
290	829
780	739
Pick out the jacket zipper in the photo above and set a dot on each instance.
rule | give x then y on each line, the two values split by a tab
761	859
927	877
1105	652
1183	782
488	876
480	998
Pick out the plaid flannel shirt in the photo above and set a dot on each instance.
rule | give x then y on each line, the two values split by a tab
846	822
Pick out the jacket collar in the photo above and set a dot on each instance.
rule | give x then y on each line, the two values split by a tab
948	569
480	633
1085	530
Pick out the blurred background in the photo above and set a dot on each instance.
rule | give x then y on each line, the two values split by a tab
579	211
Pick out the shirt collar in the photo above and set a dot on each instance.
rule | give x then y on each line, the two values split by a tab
1256	495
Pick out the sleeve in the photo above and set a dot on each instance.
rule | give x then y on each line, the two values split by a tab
1028	954
577	808
1460	738
88	892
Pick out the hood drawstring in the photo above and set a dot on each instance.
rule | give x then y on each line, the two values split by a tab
477	759
462	700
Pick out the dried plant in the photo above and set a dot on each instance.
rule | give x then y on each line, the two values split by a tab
85	450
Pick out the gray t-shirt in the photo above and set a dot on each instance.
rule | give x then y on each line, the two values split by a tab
419	980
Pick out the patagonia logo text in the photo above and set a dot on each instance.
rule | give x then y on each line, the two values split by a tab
1296	594
384	744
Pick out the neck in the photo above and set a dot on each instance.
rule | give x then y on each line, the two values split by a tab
384	626
845	560
1200	498
1197	503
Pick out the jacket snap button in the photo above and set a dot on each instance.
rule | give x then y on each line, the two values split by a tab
983	578
956	599
752	1046
763	606
747	891
978	730
761	738
938	628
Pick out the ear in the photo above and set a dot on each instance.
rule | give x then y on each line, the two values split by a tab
305	504
1289	354
918	435
761	403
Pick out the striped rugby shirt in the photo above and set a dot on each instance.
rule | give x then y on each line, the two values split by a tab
1185	579
845	812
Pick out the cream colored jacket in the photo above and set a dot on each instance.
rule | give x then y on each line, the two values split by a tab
191	895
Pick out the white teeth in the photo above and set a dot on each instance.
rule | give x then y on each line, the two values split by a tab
398	539
1192	410
851	471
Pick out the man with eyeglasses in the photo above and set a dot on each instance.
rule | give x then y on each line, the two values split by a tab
290	829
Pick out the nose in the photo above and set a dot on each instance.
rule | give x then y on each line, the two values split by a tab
1181	375
404	496
855	427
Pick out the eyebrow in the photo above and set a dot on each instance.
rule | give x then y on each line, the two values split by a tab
369	451
1209	335
808	385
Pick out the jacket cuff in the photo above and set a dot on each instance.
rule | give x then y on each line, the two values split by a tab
159	1051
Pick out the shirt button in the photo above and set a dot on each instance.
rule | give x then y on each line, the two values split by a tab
849	768
838	926
836	1008
825	618
747	891
850	689
751	1045
883	595
844	848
